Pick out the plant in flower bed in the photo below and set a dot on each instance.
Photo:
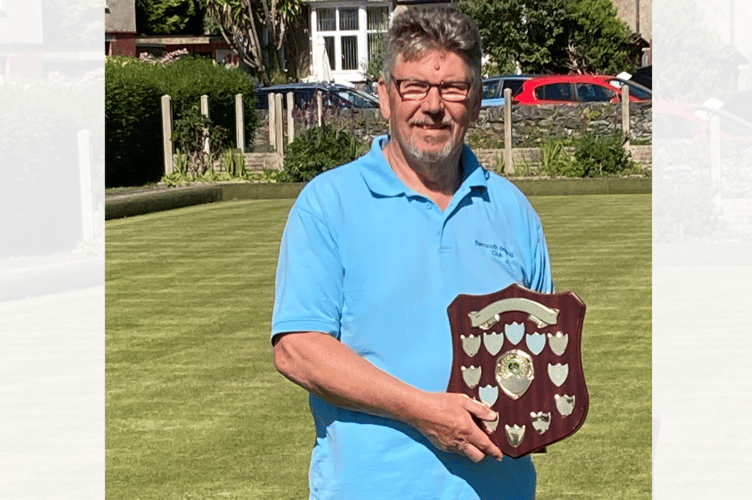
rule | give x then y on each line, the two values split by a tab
594	156
319	149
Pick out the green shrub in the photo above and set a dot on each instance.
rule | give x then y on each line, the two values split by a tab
602	155
190	133
133	123
556	161
319	149
133	89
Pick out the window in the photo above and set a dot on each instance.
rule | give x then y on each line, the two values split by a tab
554	92
588	92
378	24
349	52
351	34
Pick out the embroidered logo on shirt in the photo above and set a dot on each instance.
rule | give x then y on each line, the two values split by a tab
496	250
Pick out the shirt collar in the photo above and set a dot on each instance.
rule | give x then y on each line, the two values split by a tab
381	179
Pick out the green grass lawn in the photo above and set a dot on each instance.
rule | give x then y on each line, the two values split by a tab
196	410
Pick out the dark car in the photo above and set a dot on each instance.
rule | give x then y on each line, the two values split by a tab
493	88
334	95
644	76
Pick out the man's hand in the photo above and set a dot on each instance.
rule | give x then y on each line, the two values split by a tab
332	371
448	423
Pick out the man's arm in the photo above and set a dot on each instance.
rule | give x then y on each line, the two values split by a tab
324	366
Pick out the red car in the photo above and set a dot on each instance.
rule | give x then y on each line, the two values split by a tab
573	89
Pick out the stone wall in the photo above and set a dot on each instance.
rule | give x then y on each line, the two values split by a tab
531	125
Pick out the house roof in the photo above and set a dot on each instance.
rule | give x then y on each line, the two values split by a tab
121	17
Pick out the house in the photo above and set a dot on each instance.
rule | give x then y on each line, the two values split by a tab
120	28
343	35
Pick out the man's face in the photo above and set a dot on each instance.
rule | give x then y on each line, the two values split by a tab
431	129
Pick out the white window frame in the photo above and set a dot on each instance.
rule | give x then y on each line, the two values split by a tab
351	75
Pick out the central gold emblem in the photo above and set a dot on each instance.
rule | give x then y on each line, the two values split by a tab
514	372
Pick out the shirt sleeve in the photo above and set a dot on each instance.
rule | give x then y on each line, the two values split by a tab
308	292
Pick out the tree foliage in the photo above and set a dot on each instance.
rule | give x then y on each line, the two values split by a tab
242	21
552	36
169	17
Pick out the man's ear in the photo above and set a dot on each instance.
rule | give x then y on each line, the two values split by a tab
384	105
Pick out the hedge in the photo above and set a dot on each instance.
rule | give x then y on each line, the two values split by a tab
133	120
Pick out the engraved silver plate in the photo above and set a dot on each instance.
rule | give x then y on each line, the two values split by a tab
538	313
492	425
515	332
541	421
558	343
488	394
535	342
515	434
565	404
493	342
558	373
470	344
514	372
471	375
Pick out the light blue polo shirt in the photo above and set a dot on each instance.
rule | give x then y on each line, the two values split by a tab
375	264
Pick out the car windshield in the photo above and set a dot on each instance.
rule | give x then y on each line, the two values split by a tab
357	99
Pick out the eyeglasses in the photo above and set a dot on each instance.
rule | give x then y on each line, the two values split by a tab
417	90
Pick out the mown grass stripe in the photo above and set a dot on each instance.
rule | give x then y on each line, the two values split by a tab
196	410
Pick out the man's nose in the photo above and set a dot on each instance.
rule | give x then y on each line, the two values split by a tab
433	103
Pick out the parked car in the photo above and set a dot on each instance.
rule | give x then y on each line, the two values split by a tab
493	88
334	95
635	89
572	89
643	76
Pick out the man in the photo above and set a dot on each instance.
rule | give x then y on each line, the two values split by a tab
372	255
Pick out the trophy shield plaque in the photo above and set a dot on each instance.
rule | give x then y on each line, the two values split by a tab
518	351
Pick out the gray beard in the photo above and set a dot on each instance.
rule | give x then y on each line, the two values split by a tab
431	158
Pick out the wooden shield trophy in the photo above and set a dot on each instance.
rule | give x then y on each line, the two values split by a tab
518	351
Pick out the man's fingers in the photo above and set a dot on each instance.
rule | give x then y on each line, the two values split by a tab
483	443
480	410
472	453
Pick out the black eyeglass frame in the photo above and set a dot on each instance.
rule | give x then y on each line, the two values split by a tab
439	86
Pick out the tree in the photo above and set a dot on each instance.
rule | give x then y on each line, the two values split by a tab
240	23
552	36
599	42
169	17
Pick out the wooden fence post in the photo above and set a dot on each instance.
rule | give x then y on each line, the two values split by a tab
169	166
240	123
319	107
205	112
290	123
508	162
272	122
626	131
280	131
